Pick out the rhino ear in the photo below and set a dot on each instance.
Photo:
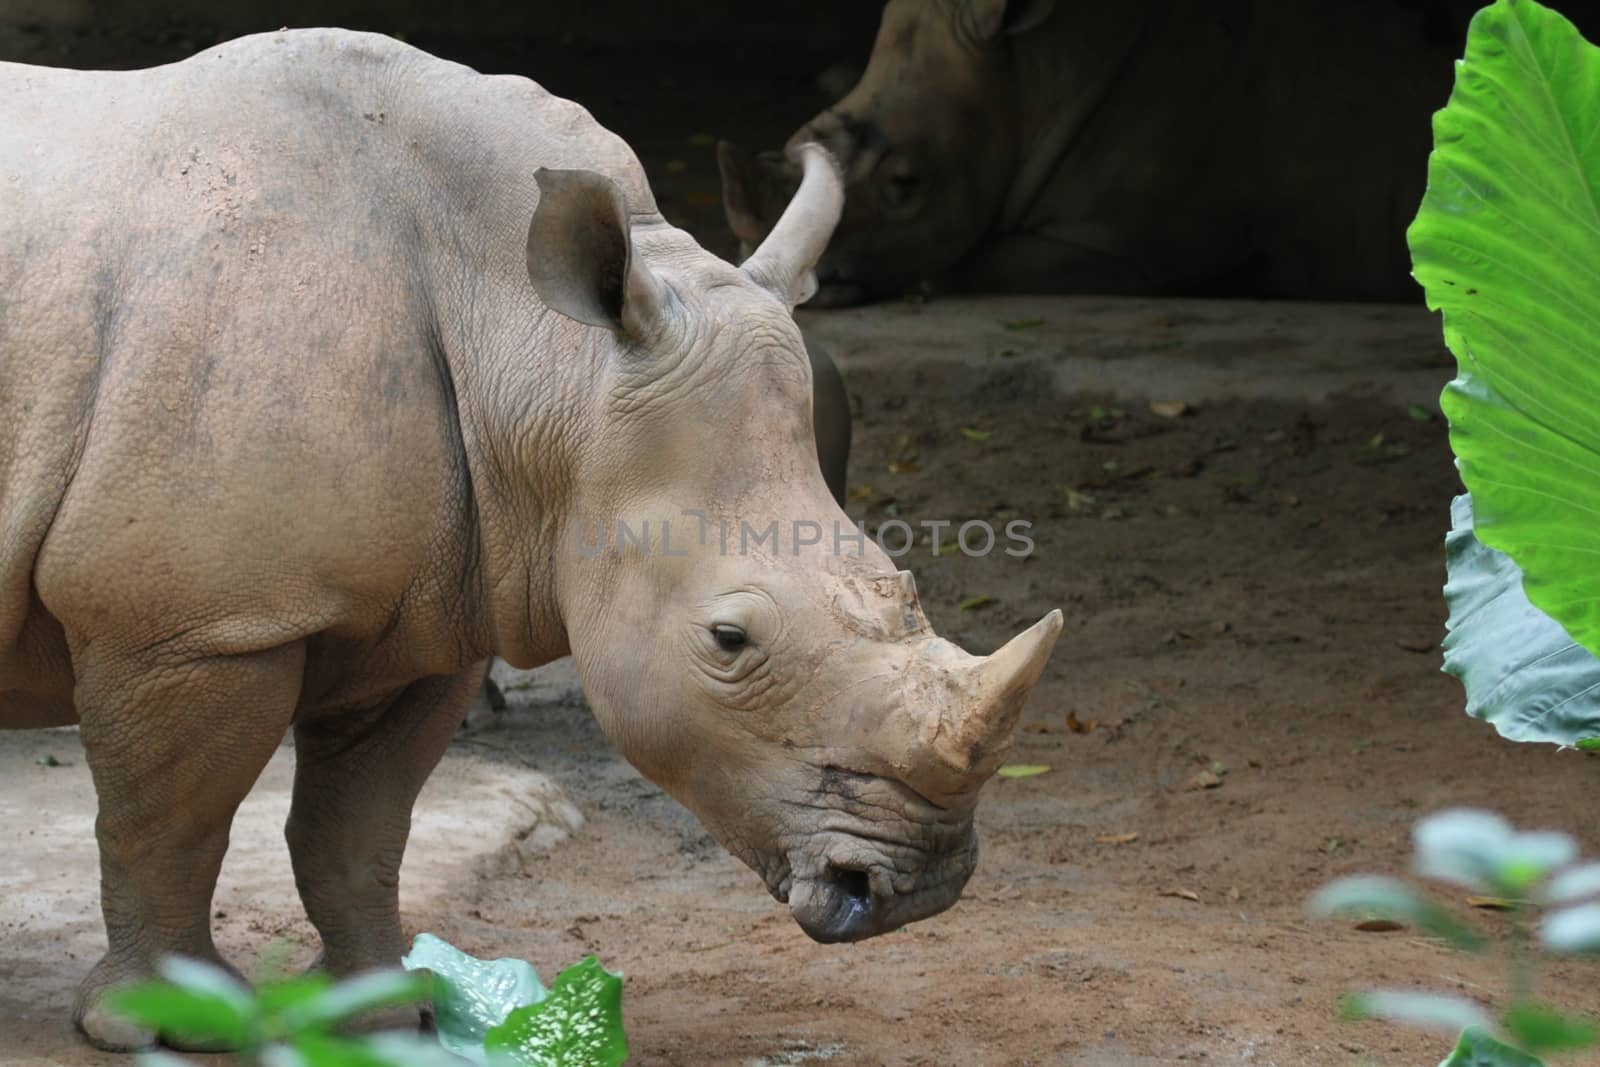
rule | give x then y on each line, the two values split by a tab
580	255
995	17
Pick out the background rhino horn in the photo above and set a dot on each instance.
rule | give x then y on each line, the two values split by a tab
783	264
739	195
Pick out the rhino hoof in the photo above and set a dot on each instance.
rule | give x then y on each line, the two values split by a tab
108	1031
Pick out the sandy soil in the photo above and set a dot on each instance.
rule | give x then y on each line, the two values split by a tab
1254	583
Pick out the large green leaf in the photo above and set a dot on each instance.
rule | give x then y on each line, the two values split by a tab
1507	246
1521	670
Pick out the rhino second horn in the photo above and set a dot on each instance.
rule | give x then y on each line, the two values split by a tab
784	262
996	687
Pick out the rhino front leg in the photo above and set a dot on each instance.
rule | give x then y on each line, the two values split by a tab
173	749
356	778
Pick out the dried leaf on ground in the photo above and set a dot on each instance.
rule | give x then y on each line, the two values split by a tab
1168	409
1023	770
1077	501
1182	894
1492	903
1205	779
973	603
1117	839
972	434
1079	726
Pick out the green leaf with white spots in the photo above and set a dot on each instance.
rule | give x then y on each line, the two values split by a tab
579	1024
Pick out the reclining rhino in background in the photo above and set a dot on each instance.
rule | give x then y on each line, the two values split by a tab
1256	148
314	351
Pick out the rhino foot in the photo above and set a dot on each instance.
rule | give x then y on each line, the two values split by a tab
104	1028
108	1030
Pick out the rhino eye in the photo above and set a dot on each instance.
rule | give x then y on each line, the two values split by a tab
903	189
728	638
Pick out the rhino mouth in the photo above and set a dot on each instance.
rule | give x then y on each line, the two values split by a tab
857	888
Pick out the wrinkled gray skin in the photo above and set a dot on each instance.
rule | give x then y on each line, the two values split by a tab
314	352
830	423
1252	148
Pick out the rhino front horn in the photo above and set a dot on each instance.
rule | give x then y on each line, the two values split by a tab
1008	674
996	687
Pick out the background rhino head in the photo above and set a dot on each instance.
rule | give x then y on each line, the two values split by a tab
929	141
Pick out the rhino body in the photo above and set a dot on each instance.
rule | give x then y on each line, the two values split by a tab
313	351
1254	148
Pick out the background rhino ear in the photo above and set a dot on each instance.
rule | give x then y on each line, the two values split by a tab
580	255
995	17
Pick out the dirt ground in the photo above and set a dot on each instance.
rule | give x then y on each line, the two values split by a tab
1254	583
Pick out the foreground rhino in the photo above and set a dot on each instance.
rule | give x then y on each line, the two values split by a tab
298	415
1258	148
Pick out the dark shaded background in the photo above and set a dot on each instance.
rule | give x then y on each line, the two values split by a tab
670	78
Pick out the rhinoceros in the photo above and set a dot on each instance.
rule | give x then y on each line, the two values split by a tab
1262	148
322	362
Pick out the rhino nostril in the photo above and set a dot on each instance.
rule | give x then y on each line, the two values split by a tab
853	884
839	905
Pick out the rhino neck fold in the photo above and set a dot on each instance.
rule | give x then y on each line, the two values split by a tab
524	400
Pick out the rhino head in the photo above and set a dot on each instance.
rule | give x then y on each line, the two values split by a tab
739	641
929	140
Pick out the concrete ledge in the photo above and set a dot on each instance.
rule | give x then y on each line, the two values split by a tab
1193	350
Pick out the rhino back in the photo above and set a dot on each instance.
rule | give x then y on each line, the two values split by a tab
232	332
